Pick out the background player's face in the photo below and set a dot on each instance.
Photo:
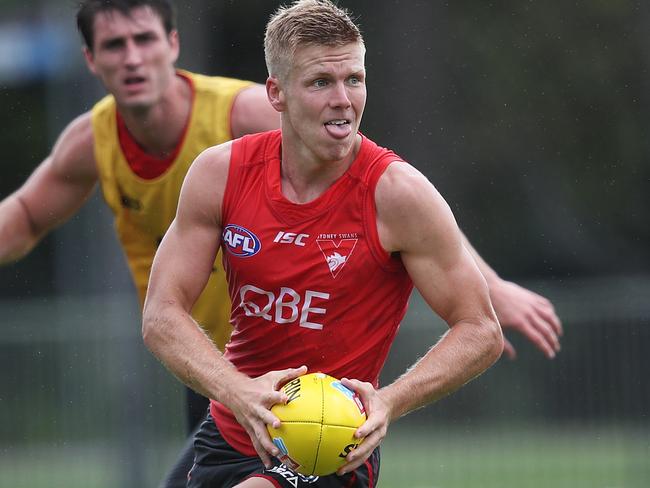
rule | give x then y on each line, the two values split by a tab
133	56
323	98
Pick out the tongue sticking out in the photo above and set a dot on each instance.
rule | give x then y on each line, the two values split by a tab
338	129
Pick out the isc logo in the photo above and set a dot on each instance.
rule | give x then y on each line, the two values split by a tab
291	238
240	242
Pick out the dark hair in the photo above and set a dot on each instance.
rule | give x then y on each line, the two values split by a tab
88	9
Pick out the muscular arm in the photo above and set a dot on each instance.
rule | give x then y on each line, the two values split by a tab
180	270
52	194
252	112
414	220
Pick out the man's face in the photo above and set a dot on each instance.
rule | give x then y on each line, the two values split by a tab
322	99
133	56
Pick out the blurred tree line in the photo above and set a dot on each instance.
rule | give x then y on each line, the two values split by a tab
528	116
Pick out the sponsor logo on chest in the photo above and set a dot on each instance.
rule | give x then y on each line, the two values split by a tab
284	306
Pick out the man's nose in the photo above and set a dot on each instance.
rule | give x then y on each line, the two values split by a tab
133	55
340	98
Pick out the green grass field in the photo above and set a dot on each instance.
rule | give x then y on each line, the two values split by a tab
517	458
494	458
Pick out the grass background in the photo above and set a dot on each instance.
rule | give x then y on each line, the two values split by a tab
496	457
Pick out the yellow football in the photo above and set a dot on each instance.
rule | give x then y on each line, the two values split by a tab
318	424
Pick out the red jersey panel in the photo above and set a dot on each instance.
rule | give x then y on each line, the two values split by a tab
309	283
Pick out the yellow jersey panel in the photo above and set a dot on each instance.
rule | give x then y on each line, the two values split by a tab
144	208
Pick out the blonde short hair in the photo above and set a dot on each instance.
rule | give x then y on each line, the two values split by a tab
305	22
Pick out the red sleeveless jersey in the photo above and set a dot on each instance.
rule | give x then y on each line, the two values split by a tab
309	283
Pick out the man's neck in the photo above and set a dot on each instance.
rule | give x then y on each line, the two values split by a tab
304	179
159	128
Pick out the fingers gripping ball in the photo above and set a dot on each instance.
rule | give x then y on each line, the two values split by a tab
318	424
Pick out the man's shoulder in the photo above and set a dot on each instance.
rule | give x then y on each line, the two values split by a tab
78	133
401	189
73	153
400	180
214	155
212	164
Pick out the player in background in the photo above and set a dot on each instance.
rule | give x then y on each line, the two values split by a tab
362	226
138	143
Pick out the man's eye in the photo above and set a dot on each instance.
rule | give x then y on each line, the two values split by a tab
113	45
354	80
320	83
145	38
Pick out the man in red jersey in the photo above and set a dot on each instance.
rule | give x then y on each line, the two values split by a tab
324	234
132	45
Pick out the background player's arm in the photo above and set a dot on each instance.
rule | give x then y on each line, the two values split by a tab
525	311
180	270
414	220
52	194
252	112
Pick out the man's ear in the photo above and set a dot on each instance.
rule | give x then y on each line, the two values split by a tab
275	93
90	60
174	42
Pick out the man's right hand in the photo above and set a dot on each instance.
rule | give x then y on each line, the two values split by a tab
251	402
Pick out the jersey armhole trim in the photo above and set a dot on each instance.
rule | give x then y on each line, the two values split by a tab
237	149
387	261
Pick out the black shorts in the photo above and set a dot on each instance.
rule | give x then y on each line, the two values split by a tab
197	405
219	465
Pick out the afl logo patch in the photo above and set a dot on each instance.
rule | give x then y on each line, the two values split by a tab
240	242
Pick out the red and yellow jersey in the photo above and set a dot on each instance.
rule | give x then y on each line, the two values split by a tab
309	283
144	208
